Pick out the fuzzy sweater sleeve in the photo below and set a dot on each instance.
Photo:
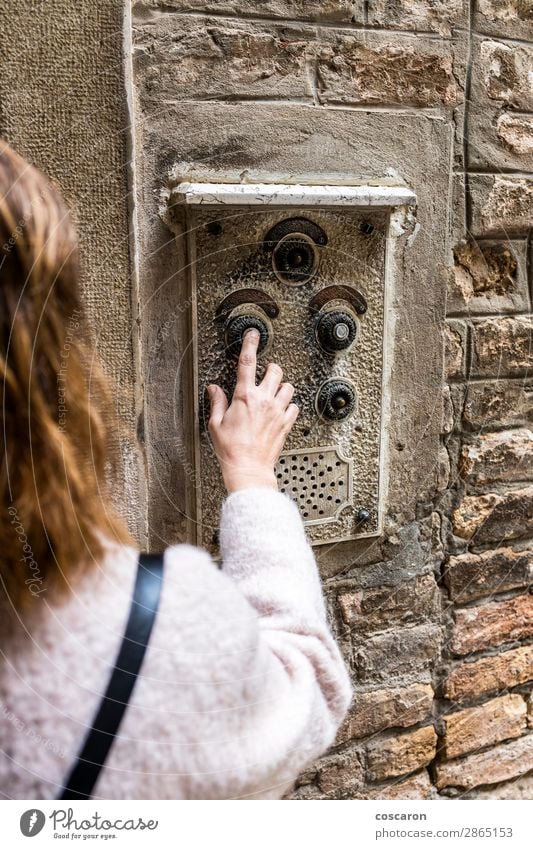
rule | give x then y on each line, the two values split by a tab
265	551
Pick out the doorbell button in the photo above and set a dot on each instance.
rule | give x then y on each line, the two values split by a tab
336	400
336	329
295	259
243	318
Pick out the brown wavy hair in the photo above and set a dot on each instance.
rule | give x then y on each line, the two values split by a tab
56	409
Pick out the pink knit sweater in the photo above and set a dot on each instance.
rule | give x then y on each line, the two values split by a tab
242	685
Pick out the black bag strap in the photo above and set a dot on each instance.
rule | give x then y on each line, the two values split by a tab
85	773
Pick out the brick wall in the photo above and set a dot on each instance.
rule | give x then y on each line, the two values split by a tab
485	680
435	619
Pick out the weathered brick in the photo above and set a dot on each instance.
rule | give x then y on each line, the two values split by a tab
494	517
457	209
352	70
416	786
474	728
402	754
471	576
442	469
502	403
502	346
309	776
512	17
340	772
516	131
304	793
381	607
485	267
457	398
448	410
498	140
505	456
177	59
517	789
405	652
454	349
498	764
491	624
437	15
379	709
507	71
501	204
320	10
489	674
489	276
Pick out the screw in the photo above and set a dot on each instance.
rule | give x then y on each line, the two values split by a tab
363	515
214	228
367	228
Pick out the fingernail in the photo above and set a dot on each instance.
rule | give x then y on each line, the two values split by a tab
210	391
253	332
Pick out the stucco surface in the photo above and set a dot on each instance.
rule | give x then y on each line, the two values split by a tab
63	106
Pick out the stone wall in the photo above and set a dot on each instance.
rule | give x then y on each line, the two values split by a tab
434	618
483	711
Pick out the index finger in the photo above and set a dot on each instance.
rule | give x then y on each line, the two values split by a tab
246	370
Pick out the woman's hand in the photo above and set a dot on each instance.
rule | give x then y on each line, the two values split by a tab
248	434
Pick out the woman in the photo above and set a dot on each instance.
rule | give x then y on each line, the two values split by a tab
242	684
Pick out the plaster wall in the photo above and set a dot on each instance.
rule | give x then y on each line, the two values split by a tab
63	106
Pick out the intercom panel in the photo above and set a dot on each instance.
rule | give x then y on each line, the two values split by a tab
309	267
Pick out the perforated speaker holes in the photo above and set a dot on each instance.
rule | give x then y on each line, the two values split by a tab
318	480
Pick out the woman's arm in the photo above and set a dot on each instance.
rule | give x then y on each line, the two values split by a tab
265	551
299	670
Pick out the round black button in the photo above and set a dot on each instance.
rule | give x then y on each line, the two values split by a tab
237	327
336	330
295	259
336	400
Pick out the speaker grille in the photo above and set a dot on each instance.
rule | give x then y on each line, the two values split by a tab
319	481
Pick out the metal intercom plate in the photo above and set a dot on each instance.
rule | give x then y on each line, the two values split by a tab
333	468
